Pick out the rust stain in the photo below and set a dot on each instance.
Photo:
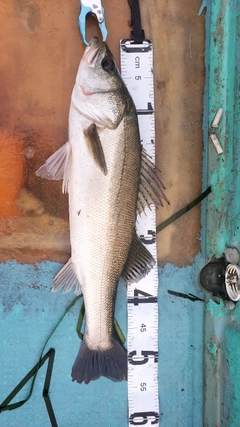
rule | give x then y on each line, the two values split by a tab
178	39
12	166
28	14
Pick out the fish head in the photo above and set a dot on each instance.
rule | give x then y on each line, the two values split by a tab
100	94
97	70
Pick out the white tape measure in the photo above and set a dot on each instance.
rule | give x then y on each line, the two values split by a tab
137	73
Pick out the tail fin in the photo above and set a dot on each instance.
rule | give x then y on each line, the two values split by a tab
92	364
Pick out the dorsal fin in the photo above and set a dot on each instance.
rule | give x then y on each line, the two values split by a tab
150	187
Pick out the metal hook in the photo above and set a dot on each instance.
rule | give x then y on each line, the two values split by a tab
88	8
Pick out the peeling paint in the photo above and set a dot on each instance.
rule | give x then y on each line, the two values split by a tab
216	310
212	348
233	356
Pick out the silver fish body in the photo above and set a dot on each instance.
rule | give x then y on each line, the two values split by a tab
109	180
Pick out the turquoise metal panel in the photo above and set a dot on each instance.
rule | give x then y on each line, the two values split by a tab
29	312
180	347
223	222
222	336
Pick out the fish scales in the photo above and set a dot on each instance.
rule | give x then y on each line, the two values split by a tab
109	180
105	225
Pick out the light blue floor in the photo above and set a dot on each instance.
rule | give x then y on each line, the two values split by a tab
29	311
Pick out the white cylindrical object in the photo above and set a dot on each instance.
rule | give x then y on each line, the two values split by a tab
232	255
216	143
217	118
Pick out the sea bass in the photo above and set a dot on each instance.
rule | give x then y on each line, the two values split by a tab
109	180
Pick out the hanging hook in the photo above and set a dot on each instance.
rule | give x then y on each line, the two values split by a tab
89	8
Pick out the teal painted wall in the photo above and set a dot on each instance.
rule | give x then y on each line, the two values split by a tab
29	311
221	211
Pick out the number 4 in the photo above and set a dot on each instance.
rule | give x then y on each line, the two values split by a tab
147	297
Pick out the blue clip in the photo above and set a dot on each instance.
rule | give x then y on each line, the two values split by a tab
91	7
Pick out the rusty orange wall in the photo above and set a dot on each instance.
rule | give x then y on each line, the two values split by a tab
40	51
178	35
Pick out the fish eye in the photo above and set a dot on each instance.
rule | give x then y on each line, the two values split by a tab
108	64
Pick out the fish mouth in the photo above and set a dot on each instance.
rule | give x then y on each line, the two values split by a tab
93	42
92	50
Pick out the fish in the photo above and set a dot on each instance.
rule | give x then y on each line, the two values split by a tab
109	179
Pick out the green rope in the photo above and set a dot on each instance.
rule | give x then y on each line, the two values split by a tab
118	330
80	321
182	211
41	360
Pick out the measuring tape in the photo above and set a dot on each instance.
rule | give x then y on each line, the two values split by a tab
142	300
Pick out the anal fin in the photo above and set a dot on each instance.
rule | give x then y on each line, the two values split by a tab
139	262
66	278
95	147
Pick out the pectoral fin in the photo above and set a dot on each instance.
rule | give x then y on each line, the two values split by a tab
57	166
139	262
95	147
150	186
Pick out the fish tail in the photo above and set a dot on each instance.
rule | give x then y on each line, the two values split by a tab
92	364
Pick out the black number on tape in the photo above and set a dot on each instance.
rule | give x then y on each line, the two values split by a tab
147	297
149	110
141	418
142	358
148	240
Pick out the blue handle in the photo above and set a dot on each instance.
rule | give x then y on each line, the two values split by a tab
82	20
